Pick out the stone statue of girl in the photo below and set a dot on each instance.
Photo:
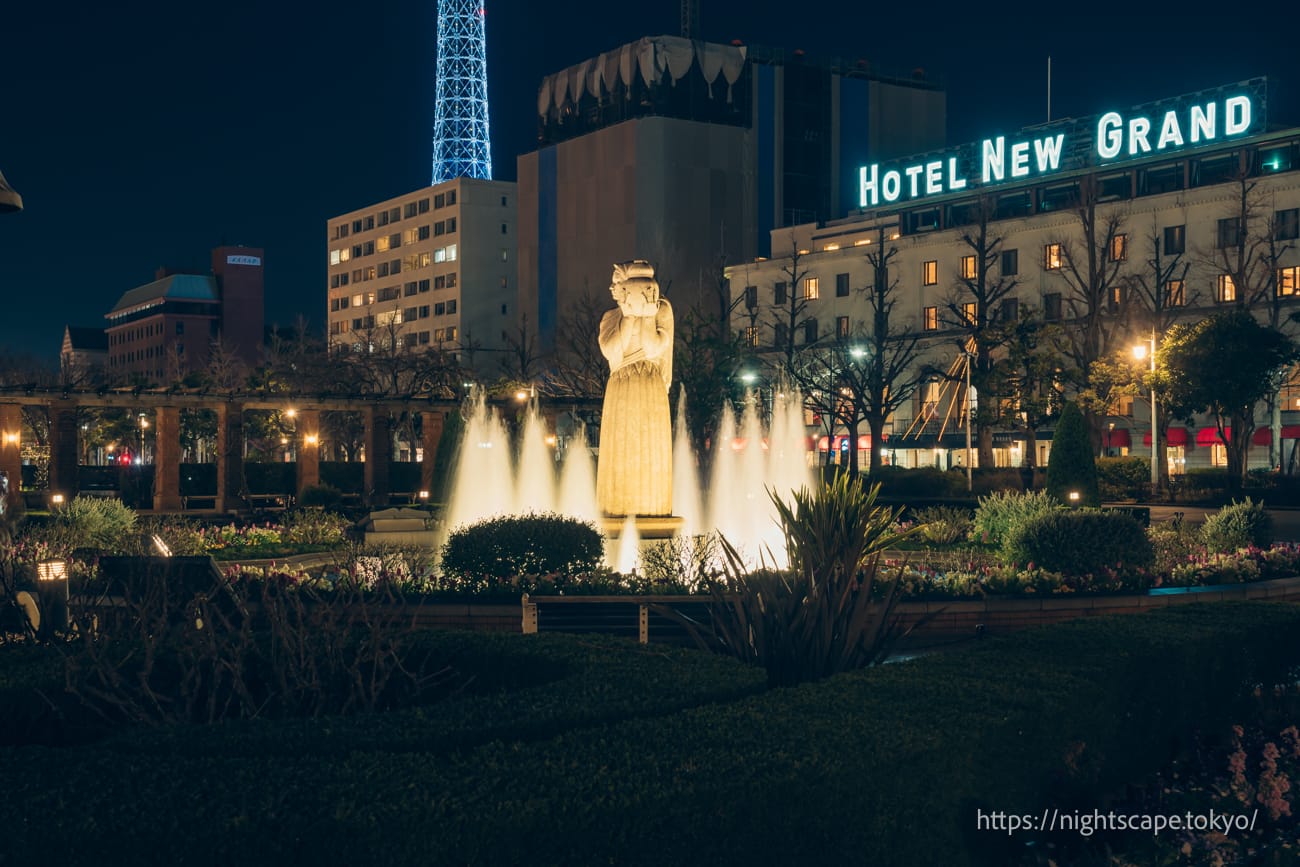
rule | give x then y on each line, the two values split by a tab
635	466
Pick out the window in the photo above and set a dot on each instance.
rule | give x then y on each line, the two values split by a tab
423	234
394	214
368	248
424	285
1010	262
342	231
505	282
1115	301
841	285
782	336
451	225
751	300
336	257
1175	293
1010	310
424	337
409	289
841	327
180	327
334	305
369	223
930	318
503	309
343	279
451	280
451	307
410	314
410	209
810	288
389	293
424	311
1218	454
1052	257
383	218
1229	234
440	200
1288	281
503	201
810	331
440	227
751	335
1119	248
424	206
968	313
779	294
1052	306
440	282
1175	239
381	269
381	244
1286	224
968	269
503	228
451	200
1225	290
408	340
929	272
505	253
356	226
440	309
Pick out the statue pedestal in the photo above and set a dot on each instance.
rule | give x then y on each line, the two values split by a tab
647	526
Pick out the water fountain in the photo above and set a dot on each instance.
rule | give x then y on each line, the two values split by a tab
493	478
646	483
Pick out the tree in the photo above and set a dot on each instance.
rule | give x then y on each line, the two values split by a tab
1224	365
789	309
1071	467
1244	263
1161	293
1095	302
1026	377
978	302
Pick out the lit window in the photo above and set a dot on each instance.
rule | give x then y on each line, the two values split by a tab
931	317
1119	248
1225	289
841	327
1052	257
382	243
1288	281
968	267
968	312
1175	293
335	256
811	290
751	335
929	272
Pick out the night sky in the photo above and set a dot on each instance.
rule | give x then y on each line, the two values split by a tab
145	134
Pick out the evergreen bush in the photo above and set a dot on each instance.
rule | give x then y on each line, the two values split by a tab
1000	515
1238	525
1082	542
1123	478
499	549
93	522
1071	466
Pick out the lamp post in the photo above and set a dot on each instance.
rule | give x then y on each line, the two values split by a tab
144	423
1140	352
970	416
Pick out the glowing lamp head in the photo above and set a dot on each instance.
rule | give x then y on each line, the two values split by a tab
1074	496
1140	351
311	439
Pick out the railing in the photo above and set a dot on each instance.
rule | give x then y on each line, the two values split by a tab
618	615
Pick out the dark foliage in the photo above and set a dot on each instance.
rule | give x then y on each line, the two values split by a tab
1071	466
500	549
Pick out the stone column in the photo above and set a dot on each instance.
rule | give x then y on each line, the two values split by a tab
167	459
11	451
63	449
379	451
308	449
230	456
432	422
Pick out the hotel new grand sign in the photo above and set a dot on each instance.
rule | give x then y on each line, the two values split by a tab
1174	125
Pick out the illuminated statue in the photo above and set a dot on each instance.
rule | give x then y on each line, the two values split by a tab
634	472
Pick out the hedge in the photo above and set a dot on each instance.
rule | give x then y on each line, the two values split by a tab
887	765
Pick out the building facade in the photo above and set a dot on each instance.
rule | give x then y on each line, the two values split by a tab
1165	213
165	329
431	269
689	154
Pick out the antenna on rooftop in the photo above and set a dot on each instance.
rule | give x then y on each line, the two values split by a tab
690	19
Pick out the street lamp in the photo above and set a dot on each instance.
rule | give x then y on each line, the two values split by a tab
144	423
1140	352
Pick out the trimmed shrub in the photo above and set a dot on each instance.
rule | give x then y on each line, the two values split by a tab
1085	542
1123	478
1071	466
1000	515
921	482
500	549
92	522
323	497
944	525
1238	525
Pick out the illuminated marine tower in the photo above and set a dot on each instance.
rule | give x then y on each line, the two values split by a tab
460	119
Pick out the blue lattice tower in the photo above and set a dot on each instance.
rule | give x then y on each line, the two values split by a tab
460	119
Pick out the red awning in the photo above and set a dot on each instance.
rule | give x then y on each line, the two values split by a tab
1264	436
1175	436
1208	436
1119	438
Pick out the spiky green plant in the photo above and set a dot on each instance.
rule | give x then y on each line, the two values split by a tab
832	610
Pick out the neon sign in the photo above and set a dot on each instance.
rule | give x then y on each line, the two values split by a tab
1192	121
